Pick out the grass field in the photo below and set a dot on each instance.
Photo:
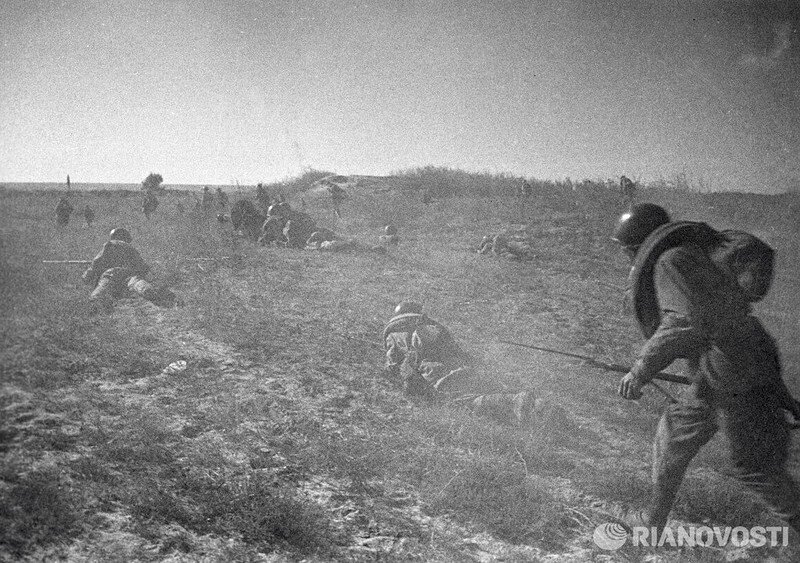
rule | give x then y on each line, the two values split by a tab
281	440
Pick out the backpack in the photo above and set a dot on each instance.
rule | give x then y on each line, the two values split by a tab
747	258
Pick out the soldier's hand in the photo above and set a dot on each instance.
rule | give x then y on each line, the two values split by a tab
630	388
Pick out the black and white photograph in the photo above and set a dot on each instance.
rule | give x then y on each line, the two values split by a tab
399	280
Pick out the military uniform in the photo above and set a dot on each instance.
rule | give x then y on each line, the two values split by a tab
222	198
63	211
299	227
431	364
272	230
88	215
735	366
117	269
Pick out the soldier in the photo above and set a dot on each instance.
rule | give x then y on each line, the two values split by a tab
149	204
262	197
297	226
627	189
208	198
501	246
318	237
427	198
88	215
691	288
433	366
119	269
246	218
63	211
525	190
389	236
222	198
338	195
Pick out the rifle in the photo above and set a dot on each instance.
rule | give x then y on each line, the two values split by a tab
671	377
87	262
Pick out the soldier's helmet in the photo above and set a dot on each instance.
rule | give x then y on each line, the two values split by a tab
390	230
405	307
635	225
120	234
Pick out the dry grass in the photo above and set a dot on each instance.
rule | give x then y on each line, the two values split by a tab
281	437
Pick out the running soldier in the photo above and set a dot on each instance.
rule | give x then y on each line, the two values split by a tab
119	269
207	200
88	215
338	195
627	189
691	291
432	365
64	210
149	204
222	198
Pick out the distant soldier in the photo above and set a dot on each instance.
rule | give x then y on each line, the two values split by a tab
338	195
208	198
88	215
326	240
423	353
63	211
119	269
262	197
149	204
298	229
318	237
222	198
426	196
389	236
180	208
501	246
525	191
627	189
246	218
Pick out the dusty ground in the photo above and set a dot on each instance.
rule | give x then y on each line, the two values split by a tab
281	441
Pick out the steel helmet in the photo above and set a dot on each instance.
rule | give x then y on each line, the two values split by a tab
390	230
120	234
635	225
405	307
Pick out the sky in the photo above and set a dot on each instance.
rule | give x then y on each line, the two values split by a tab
249	91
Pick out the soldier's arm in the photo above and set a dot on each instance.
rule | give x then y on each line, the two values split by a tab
98	266
688	299
674	339
394	357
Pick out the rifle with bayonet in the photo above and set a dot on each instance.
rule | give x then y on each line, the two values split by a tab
671	377
88	262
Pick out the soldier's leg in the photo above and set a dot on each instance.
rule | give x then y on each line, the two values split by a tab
106	290
161	297
684	428
759	442
464	387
